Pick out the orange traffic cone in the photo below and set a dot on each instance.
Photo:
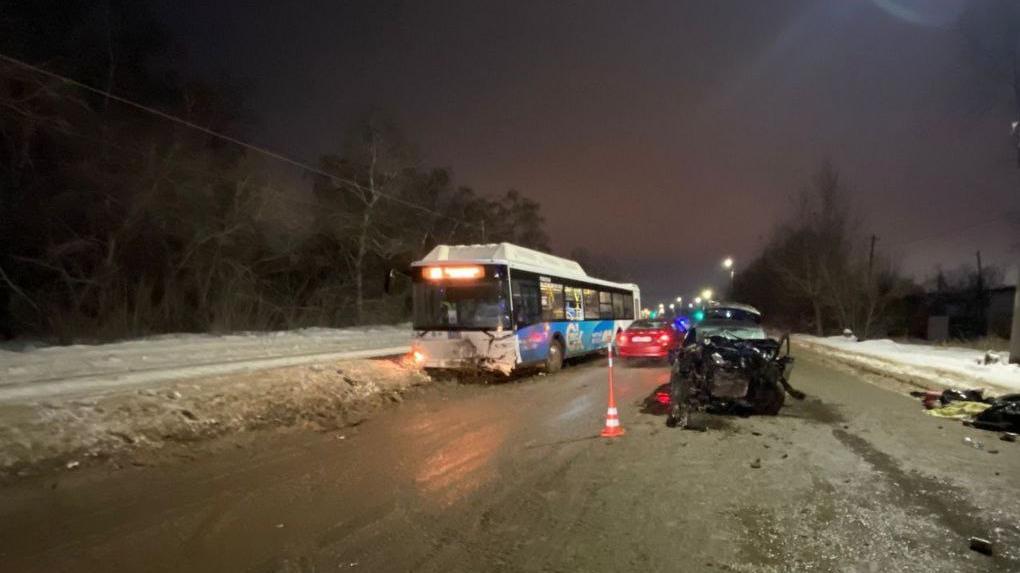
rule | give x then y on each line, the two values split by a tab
613	428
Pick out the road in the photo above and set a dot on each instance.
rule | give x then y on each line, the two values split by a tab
511	478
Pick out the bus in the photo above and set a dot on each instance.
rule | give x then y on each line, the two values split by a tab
501	307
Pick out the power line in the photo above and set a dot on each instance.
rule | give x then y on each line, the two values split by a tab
267	152
952	232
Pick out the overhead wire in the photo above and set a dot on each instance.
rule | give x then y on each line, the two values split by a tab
228	138
950	233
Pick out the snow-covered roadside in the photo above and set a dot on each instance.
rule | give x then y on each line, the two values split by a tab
933	366
64	406
30	373
135	426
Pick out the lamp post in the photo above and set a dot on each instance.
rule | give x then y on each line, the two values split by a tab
728	265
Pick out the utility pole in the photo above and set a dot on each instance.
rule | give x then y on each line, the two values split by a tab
871	258
982	319
980	276
1014	337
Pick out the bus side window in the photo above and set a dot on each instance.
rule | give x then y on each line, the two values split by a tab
591	304
606	305
552	301
628	306
573	300
618	306
527	305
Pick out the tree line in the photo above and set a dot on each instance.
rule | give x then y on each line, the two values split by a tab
115	222
821	271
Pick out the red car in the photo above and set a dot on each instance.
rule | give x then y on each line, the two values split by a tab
648	339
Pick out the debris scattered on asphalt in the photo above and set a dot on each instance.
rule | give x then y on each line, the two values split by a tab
1008	437
189	414
174	395
990	358
72	464
934	398
993	451
756	464
1002	415
784	456
981	545
959	410
279	526
755	433
973	443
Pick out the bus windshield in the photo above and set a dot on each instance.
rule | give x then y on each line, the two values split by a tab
450	306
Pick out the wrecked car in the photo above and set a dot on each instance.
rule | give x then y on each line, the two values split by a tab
728	365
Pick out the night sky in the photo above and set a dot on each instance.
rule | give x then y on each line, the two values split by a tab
664	134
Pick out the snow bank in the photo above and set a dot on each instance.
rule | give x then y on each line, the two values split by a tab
29	373
940	365
135	425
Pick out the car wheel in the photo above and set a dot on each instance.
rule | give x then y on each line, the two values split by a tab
768	400
554	362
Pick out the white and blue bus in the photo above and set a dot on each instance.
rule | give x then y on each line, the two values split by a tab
499	307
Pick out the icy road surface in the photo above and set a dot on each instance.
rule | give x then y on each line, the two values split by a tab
510	477
33	373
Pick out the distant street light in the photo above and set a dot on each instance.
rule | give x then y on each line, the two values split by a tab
728	264
690	305
672	306
707	294
697	300
679	299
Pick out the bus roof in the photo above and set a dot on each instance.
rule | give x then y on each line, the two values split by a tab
516	258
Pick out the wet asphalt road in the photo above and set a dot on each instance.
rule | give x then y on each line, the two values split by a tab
510	477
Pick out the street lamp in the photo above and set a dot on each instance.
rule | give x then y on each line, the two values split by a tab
707	294
728	264
672	306
697	300
679	299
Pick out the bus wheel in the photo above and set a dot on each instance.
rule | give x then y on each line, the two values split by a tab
554	362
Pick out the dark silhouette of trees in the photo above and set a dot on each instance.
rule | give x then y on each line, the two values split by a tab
114	222
817	270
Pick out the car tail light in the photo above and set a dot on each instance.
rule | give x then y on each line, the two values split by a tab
622	339
662	398
665	338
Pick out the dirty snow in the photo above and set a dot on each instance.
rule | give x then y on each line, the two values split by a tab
134	425
939	365
30	373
